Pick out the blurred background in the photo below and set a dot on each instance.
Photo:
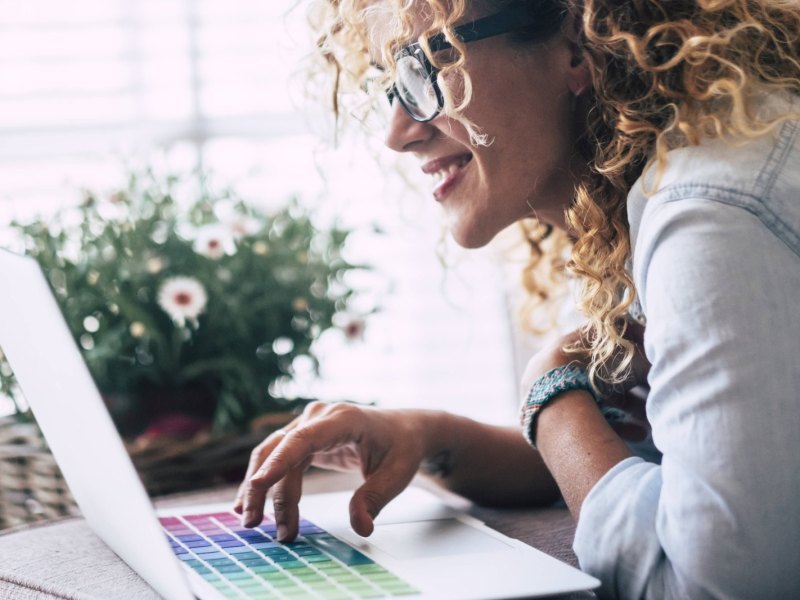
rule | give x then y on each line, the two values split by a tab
93	87
214	94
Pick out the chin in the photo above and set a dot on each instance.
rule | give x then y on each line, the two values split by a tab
471	238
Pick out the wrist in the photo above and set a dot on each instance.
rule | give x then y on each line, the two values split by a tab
556	382
437	433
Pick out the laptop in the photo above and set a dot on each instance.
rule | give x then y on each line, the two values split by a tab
421	547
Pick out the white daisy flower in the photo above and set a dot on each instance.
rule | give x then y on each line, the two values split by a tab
183	299
354	329
244	225
214	241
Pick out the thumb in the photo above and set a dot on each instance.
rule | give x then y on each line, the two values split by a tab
376	492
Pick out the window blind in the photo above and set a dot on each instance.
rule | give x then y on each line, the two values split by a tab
89	86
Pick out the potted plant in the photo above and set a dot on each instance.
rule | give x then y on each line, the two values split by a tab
188	315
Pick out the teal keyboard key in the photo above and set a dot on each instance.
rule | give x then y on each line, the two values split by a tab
193	562
282	558
254	562
245	555
238	576
274	552
232	568
339	550
265	568
220	562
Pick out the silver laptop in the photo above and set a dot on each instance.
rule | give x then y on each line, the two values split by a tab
421	548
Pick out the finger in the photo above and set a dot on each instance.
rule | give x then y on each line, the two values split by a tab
285	500
376	492
300	444
257	458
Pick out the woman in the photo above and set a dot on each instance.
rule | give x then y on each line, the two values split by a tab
661	139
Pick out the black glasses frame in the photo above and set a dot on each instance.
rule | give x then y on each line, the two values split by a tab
532	17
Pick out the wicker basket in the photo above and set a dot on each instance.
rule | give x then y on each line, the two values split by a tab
32	488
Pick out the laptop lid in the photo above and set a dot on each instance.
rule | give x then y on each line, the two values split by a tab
50	369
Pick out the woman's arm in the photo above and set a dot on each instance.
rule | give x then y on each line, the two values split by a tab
717	518
488	464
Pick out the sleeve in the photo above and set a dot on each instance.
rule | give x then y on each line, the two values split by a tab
718	518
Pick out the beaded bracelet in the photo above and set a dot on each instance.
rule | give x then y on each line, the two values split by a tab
545	389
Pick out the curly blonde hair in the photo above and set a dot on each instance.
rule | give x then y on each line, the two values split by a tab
665	74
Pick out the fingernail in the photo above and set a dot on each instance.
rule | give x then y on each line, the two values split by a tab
283	531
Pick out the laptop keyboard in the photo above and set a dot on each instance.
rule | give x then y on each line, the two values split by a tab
251	563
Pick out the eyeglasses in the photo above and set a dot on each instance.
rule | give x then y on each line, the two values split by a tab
416	84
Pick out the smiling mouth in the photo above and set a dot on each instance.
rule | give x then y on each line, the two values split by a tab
446	172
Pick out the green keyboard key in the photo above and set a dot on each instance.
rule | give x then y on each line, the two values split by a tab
284	582
404	592
381	577
333	594
250	585
370	593
265	568
373	568
318	558
330	566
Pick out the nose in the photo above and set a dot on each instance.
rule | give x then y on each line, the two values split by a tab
403	133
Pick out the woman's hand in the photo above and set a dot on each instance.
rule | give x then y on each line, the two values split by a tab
387	446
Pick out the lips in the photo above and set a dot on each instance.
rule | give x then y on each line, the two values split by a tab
446	170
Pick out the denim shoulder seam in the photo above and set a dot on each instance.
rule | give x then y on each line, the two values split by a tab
776	160
737	198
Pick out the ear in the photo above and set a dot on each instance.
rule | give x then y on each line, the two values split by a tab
579	75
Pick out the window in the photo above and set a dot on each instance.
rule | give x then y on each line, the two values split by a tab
91	87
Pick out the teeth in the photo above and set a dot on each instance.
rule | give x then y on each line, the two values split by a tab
447	171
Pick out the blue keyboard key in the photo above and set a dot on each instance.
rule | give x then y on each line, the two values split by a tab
222	537
231	544
197	544
179	550
270	529
189	538
264	545
210	555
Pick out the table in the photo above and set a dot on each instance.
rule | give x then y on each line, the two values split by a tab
65	560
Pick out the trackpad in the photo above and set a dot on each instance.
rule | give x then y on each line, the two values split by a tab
440	537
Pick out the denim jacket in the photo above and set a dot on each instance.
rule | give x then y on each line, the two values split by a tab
716	263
